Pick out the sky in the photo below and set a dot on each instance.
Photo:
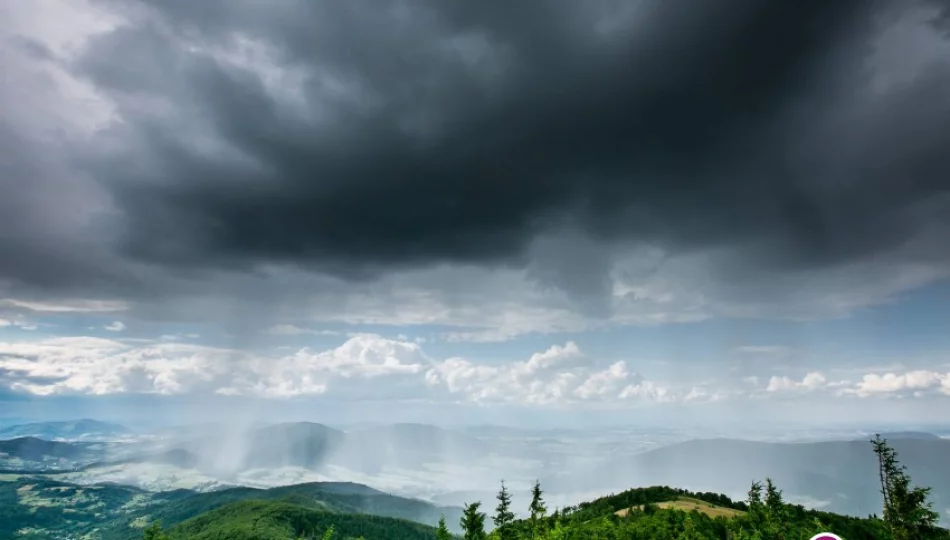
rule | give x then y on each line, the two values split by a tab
609	211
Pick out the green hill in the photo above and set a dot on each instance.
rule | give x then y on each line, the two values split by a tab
662	512
334	497
652	513
35	454
271	520
35	507
689	504
85	428
838	474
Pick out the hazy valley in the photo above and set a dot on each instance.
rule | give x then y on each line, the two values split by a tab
453	466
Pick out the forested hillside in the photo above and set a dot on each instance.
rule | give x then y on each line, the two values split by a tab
38	508
271	520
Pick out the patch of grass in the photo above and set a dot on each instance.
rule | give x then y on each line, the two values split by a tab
141	522
139	500
688	504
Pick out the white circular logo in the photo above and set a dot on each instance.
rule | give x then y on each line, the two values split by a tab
826	536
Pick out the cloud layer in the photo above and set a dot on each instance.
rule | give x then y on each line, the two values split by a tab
632	162
369	366
193	184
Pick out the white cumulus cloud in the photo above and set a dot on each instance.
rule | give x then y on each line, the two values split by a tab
101	366
812	381
378	367
912	382
561	374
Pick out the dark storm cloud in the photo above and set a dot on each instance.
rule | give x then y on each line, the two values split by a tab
37	237
438	131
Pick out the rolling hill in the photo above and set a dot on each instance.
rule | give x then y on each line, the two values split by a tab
50	509
73	430
690	504
665	513
38	508
650	513
834	475
271	520
336	496
34	454
453	467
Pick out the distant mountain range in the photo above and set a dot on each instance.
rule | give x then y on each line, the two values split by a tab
895	435
454	467
33	454
73	430
839	476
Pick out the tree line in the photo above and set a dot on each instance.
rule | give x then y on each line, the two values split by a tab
635	514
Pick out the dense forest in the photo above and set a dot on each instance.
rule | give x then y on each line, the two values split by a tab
649	513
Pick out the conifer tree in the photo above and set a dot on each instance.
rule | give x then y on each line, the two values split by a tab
442	532
537	512
155	532
504	518
775	511
908	514
473	522
756	509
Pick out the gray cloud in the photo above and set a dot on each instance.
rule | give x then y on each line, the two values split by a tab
360	138
9	378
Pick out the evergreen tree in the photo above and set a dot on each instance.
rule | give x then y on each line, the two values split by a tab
504	518
155	532
328	534
775	512
473	522
442	532
908	514
756	509
537	512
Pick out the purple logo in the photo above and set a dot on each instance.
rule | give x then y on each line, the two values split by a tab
826	536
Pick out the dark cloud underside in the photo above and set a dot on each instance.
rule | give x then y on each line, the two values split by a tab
426	132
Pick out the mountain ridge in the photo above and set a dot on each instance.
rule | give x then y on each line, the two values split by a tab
70	430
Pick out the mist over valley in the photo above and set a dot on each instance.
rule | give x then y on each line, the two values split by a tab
454	466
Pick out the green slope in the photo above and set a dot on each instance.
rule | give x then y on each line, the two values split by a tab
40	508
336	497
648	513
267	520
34	507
